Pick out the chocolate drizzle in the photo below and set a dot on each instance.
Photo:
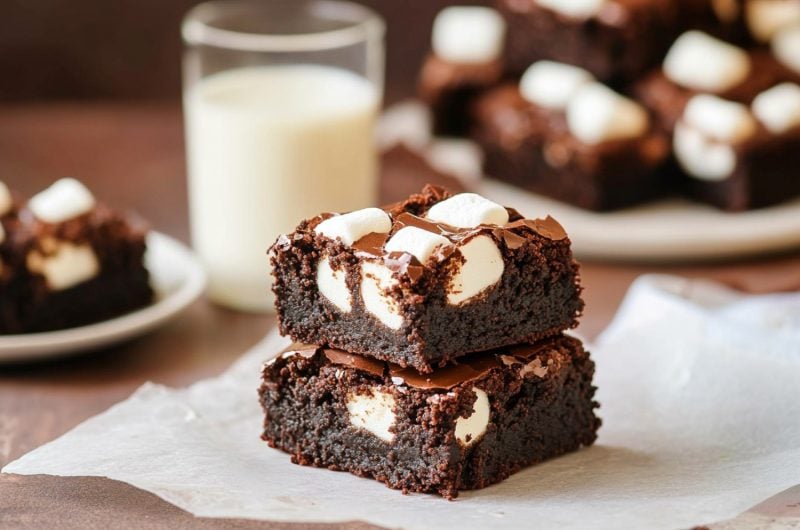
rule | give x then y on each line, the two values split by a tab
466	370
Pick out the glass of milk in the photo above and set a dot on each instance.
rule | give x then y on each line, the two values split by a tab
280	103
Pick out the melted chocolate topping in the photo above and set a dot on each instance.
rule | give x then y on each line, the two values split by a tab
470	369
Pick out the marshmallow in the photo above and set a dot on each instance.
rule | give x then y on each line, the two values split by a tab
701	62
373	412
464	34
470	429
418	242
468	210
65	264
6	200
551	85
597	114
778	108
766	17
719	119
376	280
64	200
786	47
332	285
727	11
351	227
483	268
701	157
573	8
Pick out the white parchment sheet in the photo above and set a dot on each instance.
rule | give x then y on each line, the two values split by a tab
700	393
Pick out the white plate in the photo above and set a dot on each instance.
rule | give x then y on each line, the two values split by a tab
672	230
178	280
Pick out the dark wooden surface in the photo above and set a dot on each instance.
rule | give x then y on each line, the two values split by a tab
132	156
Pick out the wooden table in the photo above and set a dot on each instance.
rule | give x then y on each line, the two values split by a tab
132	156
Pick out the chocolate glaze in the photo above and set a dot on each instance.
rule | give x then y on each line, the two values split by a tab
466	370
365	364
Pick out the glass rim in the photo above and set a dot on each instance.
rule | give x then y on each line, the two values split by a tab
197	29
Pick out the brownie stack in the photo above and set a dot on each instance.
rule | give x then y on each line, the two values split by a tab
606	104
430	350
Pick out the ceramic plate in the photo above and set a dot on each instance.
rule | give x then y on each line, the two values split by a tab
178	280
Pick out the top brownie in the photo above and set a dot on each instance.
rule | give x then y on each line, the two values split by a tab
425	281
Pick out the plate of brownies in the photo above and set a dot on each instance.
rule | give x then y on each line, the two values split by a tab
77	275
653	130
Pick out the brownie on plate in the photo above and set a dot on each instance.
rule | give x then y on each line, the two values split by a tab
75	262
560	133
698	63
466	426
738	157
467	44
615	41
425	281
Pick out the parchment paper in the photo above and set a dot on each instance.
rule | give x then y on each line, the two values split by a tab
700	393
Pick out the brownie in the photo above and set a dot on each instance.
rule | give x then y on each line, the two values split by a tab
448	88
67	273
667	99
463	427
482	285
757	167
617	43
532	147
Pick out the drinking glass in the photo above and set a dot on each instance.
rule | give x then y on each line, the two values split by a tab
280	103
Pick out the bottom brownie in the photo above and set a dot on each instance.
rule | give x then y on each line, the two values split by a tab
465	426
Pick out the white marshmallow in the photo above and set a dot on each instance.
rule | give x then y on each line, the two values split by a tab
573	8
766	17
701	62
65	264
551	85
786	47
351	227
778	108
597	114
468	34
418	242
726	10
719	119
6	200
333	286
702	157
373	412
468	210
483	268
470	429
376	279
64	200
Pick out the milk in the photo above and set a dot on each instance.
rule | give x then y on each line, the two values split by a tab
268	147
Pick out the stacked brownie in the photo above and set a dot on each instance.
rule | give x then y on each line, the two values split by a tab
430	350
67	260
585	100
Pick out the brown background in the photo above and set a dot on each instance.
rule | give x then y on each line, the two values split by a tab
130	49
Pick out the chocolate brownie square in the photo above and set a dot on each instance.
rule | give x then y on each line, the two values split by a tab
463	427
425	281
739	157
561	134
615	41
465	60
74	262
